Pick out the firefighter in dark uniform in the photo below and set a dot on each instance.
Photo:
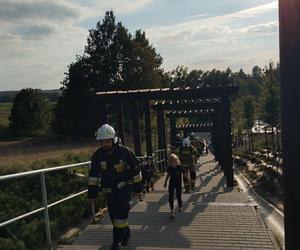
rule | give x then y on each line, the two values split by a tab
116	168
188	156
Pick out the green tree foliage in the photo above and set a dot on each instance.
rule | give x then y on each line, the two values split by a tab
144	71
74	114
248	111
238	121
180	77
270	102
113	60
108	51
217	78
10	244
249	116
23	195
29	112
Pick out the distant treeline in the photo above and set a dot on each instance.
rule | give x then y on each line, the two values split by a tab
51	95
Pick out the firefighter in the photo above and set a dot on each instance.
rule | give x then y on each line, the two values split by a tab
148	173
116	168
188	156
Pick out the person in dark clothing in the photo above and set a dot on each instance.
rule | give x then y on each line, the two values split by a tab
174	173
148	172
116	168
188	155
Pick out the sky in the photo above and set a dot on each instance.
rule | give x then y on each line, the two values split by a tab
40	38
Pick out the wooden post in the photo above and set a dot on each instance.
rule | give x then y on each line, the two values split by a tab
172	129
120	115
219	135
148	127
136	129
159	114
103	114
227	153
161	129
289	23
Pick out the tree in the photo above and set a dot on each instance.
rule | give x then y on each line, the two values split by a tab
179	77
270	103
194	78
29	112
238	121
113	60
257	73
216	78
249	111
74	114
109	49
144	70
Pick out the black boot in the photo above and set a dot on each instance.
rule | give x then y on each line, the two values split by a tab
126	237
115	246
124	241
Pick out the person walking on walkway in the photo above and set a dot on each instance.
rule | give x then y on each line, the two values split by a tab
174	173
148	173
188	155
117	170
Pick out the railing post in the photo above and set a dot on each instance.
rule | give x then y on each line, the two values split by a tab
46	212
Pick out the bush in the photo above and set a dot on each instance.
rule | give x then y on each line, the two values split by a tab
29	112
23	195
10	244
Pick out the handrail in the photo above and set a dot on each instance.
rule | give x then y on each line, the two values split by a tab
44	170
161	160
46	206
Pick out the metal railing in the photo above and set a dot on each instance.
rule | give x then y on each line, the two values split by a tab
46	206
160	159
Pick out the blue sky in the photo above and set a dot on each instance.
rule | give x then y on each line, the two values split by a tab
40	38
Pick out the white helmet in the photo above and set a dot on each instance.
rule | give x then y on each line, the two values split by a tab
105	132
186	142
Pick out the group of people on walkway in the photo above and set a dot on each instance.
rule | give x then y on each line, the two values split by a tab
117	173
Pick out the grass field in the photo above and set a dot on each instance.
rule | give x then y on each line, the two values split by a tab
4	114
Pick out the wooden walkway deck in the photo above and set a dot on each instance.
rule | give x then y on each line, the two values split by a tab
213	217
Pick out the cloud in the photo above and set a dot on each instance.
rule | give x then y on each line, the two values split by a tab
220	40
122	7
39	38
270	27
37	31
16	11
212	28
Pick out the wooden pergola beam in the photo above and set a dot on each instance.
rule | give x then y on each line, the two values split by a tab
167	93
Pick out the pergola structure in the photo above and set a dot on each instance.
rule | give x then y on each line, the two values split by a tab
201	100
213	113
289	23
186	128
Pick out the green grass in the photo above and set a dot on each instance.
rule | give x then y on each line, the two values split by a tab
4	114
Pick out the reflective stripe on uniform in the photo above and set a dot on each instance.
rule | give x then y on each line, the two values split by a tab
120	223
106	190
137	178
121	184
130	182
93	181
120	167
103	165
